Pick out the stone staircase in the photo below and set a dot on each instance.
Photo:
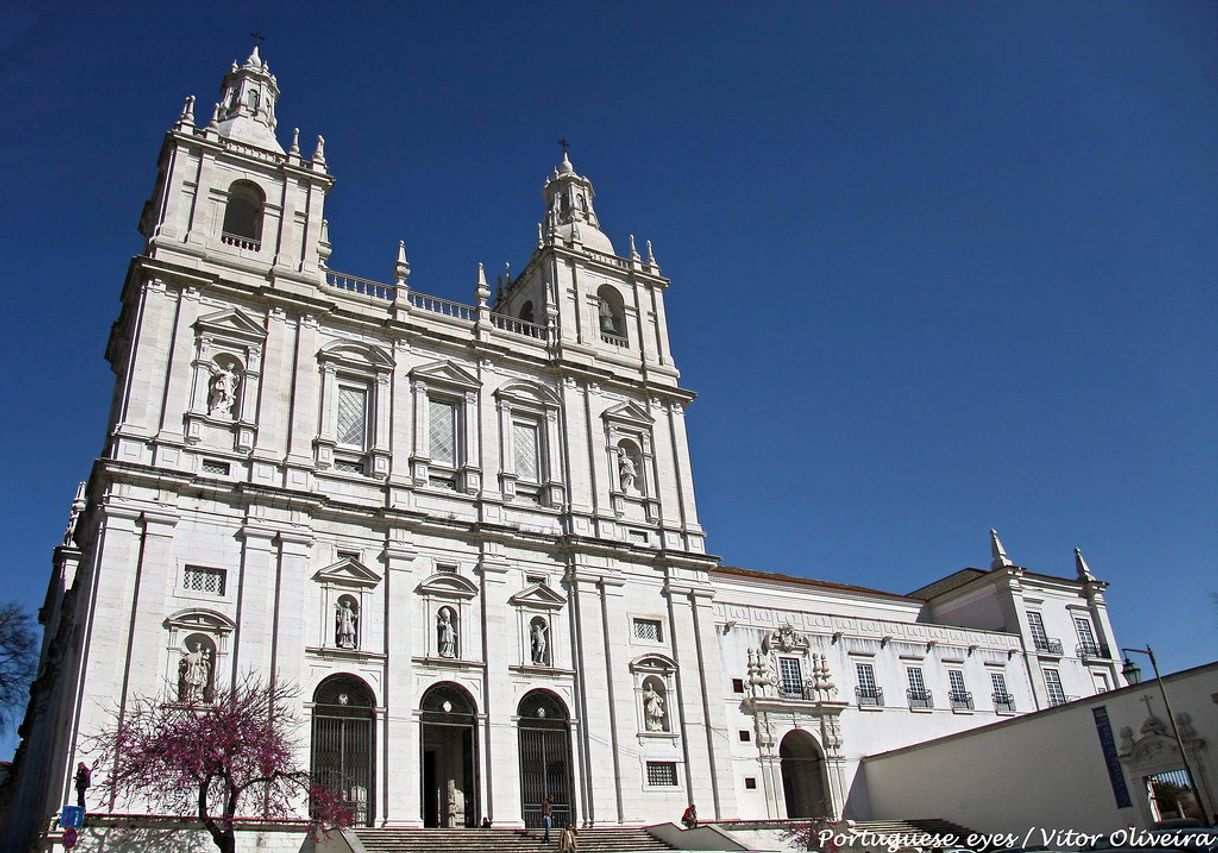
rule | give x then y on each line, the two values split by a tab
598	840
910	827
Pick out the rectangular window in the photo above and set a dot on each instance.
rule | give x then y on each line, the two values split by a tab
956	679
919	696
750	783
1003	701
1053	681
999	681
1087	646
526	450
442	432
1036	624
662	774
959	697
915	679
649	629
745	736
215	466
867	692
200	579
791	678
737	685
352	416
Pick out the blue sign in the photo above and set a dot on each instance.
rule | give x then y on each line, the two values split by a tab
73	817
1103	727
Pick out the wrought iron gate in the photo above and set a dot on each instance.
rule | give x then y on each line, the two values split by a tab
343	747
545	770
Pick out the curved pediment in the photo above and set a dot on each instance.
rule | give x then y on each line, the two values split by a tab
348	572
448	585
200	619
445	373
528	393
538	595
653	662
356	354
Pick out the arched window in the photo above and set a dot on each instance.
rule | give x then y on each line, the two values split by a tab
526	312
243	216
612	312
197	669
346	622
343	743
253	100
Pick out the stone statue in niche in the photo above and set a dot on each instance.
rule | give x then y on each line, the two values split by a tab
447	633
537	642
345	622
222	392
194	674
653	708
456	804
626	470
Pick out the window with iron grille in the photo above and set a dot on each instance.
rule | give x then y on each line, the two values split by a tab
1003	701
649	629
791	677
214	466
442	431
526	450
1053	681
662	774
916	684
202	579
352	420
955	679
999	681
867	692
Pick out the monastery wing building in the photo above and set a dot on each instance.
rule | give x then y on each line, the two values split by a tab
469	533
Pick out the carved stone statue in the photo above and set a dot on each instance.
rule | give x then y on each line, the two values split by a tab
344	625
653	709
538	644
456	805
195	674
625	470
447	634
222	394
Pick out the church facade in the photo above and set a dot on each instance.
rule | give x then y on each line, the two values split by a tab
469	533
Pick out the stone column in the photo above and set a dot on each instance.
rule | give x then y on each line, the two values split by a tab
702	787
588	630
257	591
287	654
401	728
501	784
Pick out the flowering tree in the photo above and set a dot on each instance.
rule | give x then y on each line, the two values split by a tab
230	758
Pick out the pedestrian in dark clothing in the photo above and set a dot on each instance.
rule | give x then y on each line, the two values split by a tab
83	778
547	816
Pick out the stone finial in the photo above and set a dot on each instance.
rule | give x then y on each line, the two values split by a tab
401	267
565	167
1000	559
78	506
1081	567
482	291
634	253
187	118
295	149
541	240
651	256
215	116
254	60
319	155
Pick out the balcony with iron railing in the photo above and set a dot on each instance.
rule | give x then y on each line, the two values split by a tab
1048	645
1004	703
1093	650
796	691
869	697
919	698
961	700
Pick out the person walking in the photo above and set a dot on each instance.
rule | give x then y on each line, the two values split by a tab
547	816
84	777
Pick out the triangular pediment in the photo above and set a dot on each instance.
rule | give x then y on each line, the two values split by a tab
628	411
538	595
232	322
445	373
348	572
448	585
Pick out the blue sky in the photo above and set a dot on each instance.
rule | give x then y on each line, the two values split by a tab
936	267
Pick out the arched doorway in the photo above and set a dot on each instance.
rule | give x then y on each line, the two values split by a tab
545	758
343	748
449	760
803	776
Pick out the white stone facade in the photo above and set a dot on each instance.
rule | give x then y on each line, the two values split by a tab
321	475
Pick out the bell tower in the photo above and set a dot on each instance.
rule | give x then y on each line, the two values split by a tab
246	111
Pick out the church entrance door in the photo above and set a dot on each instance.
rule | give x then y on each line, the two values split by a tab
803	776
449	761
545	758
342	744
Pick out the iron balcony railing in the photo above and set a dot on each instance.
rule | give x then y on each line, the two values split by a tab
1092	650
962	700
1004	702
919	698
872	696
797	691
1051	645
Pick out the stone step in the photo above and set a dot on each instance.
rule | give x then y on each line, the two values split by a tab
597	840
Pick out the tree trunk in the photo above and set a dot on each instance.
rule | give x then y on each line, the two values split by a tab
227	842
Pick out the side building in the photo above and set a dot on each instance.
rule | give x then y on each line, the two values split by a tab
469	532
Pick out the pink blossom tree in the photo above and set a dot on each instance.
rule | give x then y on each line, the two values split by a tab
221	761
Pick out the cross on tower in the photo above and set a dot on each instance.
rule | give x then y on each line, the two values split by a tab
564	144
258	37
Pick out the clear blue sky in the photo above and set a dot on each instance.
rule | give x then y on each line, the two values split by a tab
937	267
